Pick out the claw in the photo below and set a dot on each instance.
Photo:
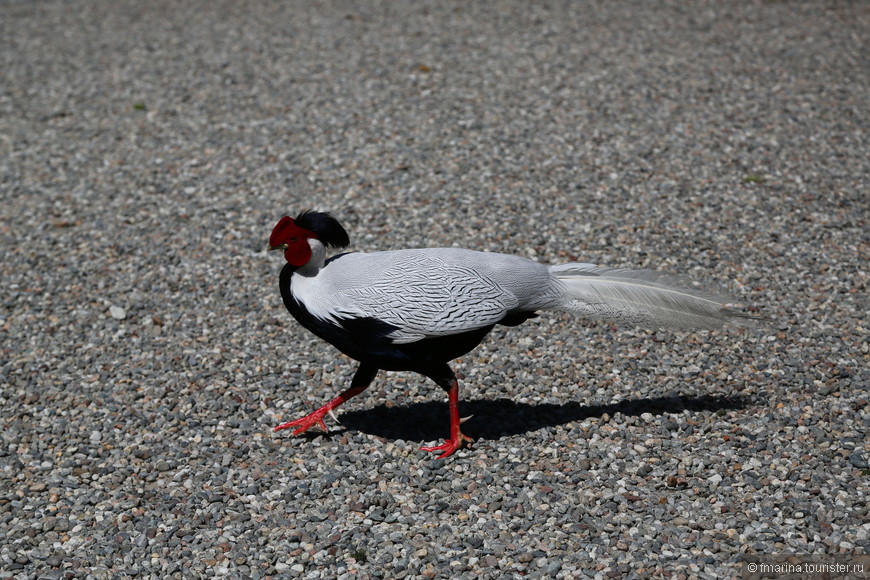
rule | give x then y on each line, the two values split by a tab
449	446
305	423
358	385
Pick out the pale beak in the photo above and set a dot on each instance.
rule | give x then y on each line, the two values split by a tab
278	247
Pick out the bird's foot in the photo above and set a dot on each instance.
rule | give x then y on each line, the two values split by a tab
305	423
450	446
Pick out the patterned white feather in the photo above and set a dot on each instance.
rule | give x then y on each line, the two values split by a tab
427	292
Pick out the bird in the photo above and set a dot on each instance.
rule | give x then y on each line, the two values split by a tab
418	309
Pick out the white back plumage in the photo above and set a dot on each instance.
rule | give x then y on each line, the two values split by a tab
426	292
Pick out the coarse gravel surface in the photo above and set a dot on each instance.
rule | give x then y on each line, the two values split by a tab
147	149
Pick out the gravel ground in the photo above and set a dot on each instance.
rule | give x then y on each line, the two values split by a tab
147	149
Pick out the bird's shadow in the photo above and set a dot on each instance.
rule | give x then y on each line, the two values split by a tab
492	419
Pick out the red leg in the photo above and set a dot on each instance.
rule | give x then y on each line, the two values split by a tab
362	379
457	438
316	418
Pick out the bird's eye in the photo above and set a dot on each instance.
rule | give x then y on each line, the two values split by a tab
294	240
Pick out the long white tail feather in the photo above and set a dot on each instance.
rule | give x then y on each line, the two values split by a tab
642	298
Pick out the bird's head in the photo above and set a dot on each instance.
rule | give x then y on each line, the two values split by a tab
297	237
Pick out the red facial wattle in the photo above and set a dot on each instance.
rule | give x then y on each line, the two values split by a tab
293	239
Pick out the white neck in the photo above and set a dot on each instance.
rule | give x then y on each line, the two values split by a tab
318	257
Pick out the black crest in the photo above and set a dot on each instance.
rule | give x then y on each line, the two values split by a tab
330	233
